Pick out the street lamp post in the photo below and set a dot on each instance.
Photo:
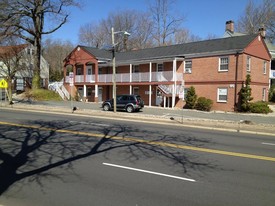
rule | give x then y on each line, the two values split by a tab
114	62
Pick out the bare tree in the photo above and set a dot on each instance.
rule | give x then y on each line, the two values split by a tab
55	52
165	22
93	34
185	36
256	17
26	19
137	23
12	61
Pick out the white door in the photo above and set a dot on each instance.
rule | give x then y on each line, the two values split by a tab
159	97
100	90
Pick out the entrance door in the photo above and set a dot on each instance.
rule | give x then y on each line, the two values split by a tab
159	97
100	91
80	92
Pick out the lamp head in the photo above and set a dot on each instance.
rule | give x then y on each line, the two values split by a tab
126	33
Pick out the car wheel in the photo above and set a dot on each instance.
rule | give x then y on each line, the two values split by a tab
106	107
129	109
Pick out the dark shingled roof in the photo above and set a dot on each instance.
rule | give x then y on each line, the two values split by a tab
238	43
98	53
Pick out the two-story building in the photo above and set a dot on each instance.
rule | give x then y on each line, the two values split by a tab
216	68
19	59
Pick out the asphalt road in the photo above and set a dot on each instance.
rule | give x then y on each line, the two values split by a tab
48	159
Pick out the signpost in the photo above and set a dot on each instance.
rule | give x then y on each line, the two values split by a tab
71	75
3	85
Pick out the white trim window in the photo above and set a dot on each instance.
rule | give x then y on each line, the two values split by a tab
222	94
248	64
223	64
264	68
160	67
188	66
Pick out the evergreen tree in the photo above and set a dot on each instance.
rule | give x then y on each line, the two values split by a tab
191	98
246	95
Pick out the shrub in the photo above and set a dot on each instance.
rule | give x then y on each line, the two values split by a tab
204	104
191	98
260	107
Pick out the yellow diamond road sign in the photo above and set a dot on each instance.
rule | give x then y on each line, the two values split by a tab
3	84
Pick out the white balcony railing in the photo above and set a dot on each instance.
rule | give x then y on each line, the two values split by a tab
126	77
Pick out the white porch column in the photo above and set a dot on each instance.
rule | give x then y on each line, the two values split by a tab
174	85
164	102
131	68
85	91
96	91
150	86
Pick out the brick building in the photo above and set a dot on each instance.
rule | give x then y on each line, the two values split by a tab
216	68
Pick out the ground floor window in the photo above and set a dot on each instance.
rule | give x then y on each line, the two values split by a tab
136	91
222	94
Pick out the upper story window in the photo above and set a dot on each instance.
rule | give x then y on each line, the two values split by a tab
30	51
248	64
188	66
264	69
79	71
222	95
89	69
136	69
160	67
224	62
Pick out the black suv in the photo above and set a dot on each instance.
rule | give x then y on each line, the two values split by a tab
126	102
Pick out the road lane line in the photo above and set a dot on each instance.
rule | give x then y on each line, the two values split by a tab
266	143
149	142
149	172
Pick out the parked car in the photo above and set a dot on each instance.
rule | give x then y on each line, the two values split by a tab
127	102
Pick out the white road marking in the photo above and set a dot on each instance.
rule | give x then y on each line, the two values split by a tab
266	143
149	172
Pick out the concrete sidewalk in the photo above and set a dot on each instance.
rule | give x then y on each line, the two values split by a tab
250	123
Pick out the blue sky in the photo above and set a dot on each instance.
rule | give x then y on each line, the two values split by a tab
203	17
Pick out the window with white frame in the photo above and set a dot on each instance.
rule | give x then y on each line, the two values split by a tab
248	64
89	69
188	66
160	67
222	94
264	69
136	69
224	62
264	94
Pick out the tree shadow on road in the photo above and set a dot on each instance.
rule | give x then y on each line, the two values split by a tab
33	151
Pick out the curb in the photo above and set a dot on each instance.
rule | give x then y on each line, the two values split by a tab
199	123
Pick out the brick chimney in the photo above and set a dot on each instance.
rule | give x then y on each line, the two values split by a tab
262	31
229	26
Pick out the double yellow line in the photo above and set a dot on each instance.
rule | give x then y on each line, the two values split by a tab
156	143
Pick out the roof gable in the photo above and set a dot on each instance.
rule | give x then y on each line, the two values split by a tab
11	51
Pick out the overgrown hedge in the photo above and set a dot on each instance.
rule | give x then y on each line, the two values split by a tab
204	104
259	107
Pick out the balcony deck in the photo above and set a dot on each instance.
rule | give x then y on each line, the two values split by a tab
166	76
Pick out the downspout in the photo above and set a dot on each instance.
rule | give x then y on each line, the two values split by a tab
236	82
